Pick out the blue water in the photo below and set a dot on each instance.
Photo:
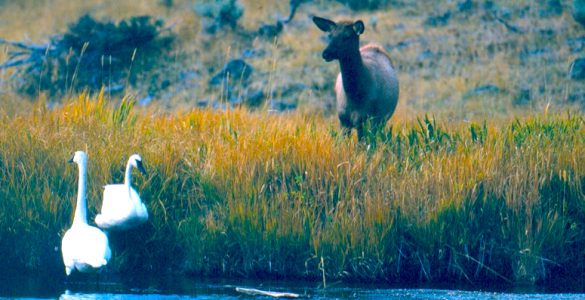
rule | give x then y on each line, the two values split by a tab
94	287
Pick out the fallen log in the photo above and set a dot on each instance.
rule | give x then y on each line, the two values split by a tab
256	292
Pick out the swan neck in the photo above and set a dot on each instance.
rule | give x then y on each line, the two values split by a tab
81	207
128	175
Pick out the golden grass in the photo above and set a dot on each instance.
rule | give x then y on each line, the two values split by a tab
238	193
470	51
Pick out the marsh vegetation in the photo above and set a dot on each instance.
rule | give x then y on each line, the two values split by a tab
479	176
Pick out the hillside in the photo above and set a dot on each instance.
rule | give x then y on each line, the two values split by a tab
465	60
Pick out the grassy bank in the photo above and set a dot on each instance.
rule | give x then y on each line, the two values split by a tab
237	193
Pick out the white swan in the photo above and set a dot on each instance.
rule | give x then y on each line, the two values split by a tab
84	248
121	206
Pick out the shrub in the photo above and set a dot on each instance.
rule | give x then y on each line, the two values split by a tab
579	11
365	4
95	54
220	14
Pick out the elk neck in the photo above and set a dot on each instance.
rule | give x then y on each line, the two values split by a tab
352	75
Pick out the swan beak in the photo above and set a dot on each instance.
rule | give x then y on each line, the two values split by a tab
140	167
71	159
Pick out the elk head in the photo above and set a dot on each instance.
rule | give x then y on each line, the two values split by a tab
343	38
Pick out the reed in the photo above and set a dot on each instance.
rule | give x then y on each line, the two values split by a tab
239	193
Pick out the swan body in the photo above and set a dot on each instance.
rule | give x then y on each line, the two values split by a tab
122	207
84	248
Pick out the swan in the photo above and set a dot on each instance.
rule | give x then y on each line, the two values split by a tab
121	206
84	248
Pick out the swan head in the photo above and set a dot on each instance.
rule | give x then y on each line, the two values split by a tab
79	157
136	161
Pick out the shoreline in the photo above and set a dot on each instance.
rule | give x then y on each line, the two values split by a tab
269	195
179	284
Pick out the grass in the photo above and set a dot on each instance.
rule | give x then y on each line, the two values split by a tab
238	193
458	187
437	66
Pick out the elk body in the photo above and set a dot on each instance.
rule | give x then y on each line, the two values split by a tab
367	87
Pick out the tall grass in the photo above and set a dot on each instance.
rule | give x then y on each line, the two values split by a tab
237	193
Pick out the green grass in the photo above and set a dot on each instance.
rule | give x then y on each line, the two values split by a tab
238	193
459	186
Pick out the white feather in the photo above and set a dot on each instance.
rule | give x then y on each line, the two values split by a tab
122	207
84	248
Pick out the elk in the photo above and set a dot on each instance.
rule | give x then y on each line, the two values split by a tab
367	87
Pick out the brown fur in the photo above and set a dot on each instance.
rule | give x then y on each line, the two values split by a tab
379	49
367	86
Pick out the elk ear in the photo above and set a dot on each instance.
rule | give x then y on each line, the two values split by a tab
358	27
324	24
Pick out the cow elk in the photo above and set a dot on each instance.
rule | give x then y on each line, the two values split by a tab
366	88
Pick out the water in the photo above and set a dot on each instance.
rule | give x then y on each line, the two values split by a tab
92	287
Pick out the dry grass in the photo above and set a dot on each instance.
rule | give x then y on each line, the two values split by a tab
488	189
240	193
438	66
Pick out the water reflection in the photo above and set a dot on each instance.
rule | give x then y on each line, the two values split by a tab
68	296
337	294
86	287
